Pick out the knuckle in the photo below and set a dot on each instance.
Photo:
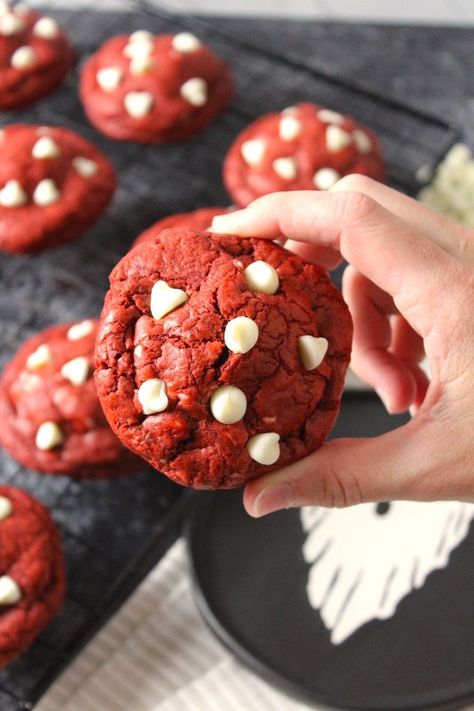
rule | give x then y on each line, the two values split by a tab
339	487
357	207
354	182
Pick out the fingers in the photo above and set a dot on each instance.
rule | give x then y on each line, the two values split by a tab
414	462
323	256
385	349
455	239
407	265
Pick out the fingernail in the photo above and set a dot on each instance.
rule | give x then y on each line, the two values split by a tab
273	498
225	223
386	401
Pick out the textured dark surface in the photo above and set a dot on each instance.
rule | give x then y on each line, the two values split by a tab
108	525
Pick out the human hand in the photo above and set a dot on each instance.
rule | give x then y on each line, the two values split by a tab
410	289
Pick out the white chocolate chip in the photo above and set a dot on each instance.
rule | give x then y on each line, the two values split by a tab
140	48
325	178
28	381
12	194
185	42
289	128
327	116
141	65
46	193
194	91
290	110
152	396
286	168
228	404
165	299
264	448
10	592
5	8
252	151
241	334
337	139
362	140
79	330
6	507
138	351
141	36
39	358
312	351
76	370
11	25
23	57
109	78
45	147
138	103
85	166
46	28
48	436
261	276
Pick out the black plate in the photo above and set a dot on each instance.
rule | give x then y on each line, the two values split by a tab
250	579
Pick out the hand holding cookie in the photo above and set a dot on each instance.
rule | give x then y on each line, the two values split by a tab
409	290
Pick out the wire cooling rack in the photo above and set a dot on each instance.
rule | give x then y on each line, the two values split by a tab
113	532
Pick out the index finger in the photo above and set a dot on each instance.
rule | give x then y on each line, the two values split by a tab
401	261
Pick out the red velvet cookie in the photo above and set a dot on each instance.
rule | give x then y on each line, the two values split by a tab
50	416
199	220
53	185
35	56
153	89
31	571
219	358
305	147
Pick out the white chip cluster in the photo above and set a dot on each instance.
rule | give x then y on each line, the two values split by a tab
228	403
451	191
46	191
139	50
290	127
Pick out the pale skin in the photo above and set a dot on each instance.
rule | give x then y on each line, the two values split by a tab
410	289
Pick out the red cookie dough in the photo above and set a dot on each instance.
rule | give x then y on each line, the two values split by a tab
198	220
305	147
53	185
154	88
35	56
31	569
185	350
50	416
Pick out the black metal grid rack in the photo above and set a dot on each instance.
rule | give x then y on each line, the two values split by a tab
114	531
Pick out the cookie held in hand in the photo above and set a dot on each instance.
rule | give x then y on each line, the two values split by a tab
219	358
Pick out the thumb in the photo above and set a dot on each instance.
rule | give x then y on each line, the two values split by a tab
412	462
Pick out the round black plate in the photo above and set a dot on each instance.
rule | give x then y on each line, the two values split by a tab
250	579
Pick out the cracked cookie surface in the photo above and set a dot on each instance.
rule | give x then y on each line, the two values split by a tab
162	353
